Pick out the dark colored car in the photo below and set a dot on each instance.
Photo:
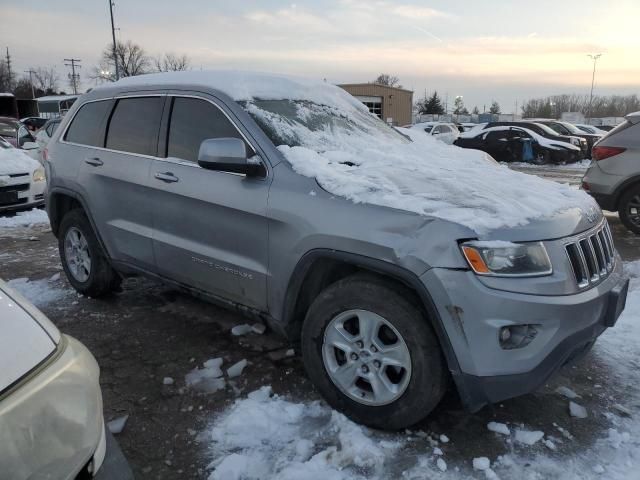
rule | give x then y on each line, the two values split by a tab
508	144
546	132
15	132
565	128
34	123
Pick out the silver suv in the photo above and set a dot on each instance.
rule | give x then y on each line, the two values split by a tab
190	178
613	178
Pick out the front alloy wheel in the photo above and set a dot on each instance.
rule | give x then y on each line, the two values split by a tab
77	255
366	357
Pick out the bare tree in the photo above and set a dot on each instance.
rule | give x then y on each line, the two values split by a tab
45	80
388	80
170	62
132	61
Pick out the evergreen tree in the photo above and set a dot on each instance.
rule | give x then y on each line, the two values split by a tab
495	108
431	105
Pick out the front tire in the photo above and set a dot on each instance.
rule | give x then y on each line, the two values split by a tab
84	263
629	209
372	353
540	157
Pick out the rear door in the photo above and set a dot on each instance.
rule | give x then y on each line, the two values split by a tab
115	178
210	227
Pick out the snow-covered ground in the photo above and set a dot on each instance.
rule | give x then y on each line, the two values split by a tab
25	219
582	165
265	436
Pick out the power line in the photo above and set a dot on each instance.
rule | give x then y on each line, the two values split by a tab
113	35
9	67
594	58
33	90
73	76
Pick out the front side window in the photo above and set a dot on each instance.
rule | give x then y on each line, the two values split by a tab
135	124
87	127
194	120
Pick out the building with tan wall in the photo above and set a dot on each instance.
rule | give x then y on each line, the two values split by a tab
391	104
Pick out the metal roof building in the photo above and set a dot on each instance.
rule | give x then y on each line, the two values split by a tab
391	104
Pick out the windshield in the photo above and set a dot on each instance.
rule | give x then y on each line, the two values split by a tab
301	123
572	128
547	129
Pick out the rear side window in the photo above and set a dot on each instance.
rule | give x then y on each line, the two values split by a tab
134	125
194	120
87	127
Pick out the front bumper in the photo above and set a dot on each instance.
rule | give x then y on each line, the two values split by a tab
29	194
472	315
51	423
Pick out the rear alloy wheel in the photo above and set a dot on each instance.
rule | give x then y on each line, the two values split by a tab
372	354
629	209
87	268
540	157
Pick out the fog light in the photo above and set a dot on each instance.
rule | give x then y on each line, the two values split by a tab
517	336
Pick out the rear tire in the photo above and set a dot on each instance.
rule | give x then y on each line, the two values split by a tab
83	260
541	157
380	394
629	209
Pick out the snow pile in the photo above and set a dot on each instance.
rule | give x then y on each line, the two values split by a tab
13	160
25	219
39	292
326	134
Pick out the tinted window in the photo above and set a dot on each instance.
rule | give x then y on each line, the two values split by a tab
193	121
134	125
87	126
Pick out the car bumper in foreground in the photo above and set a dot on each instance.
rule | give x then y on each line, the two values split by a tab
565	326
51	422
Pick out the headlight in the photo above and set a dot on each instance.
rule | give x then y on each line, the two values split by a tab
575	141
506	259
38	175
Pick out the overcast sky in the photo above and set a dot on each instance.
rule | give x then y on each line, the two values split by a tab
480	49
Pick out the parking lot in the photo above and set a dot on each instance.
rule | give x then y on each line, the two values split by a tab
148	337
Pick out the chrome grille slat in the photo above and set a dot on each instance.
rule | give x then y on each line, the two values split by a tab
591	255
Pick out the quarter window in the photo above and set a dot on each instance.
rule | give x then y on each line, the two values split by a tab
134	125
194	120
87	127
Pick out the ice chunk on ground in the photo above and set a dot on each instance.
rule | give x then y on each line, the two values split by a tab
241	329
567	392
236	369
55	277
549	444
441	464
207	379
624	411
577	411
444	438
528	437
39	292
167	381
499	428
598	468
437	451
116	425
481	463
25	219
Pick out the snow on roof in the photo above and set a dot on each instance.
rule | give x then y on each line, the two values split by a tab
6	94
552	144
248	85
56	98
13	161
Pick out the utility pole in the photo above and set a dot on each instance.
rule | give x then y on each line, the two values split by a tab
9	67
33	89
594	58
73	76
113	35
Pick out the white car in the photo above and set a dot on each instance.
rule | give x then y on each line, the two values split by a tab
51	420
44	135
445	132
22	179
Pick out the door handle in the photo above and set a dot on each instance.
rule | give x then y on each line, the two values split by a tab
94	161
167	177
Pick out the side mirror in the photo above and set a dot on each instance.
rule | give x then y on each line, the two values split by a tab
227	155
29	146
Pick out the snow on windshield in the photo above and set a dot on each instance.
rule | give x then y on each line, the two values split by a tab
327	134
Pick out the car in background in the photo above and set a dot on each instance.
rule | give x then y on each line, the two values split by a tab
511	144
44	135
566	128
19	136
33	123
50	399
22	180
613	178
607	128
546	132
445	132
590	129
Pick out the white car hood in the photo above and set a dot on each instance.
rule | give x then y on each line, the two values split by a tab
24	343
14	161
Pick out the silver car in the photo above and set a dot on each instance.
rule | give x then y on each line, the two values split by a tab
51	423
613	178
182	177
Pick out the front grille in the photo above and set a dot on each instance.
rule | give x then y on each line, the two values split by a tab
592	255
15	188
17	175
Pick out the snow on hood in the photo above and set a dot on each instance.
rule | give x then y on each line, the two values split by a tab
327	134
13	161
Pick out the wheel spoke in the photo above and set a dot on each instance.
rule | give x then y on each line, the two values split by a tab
369	324
396	355
338	337
346	375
